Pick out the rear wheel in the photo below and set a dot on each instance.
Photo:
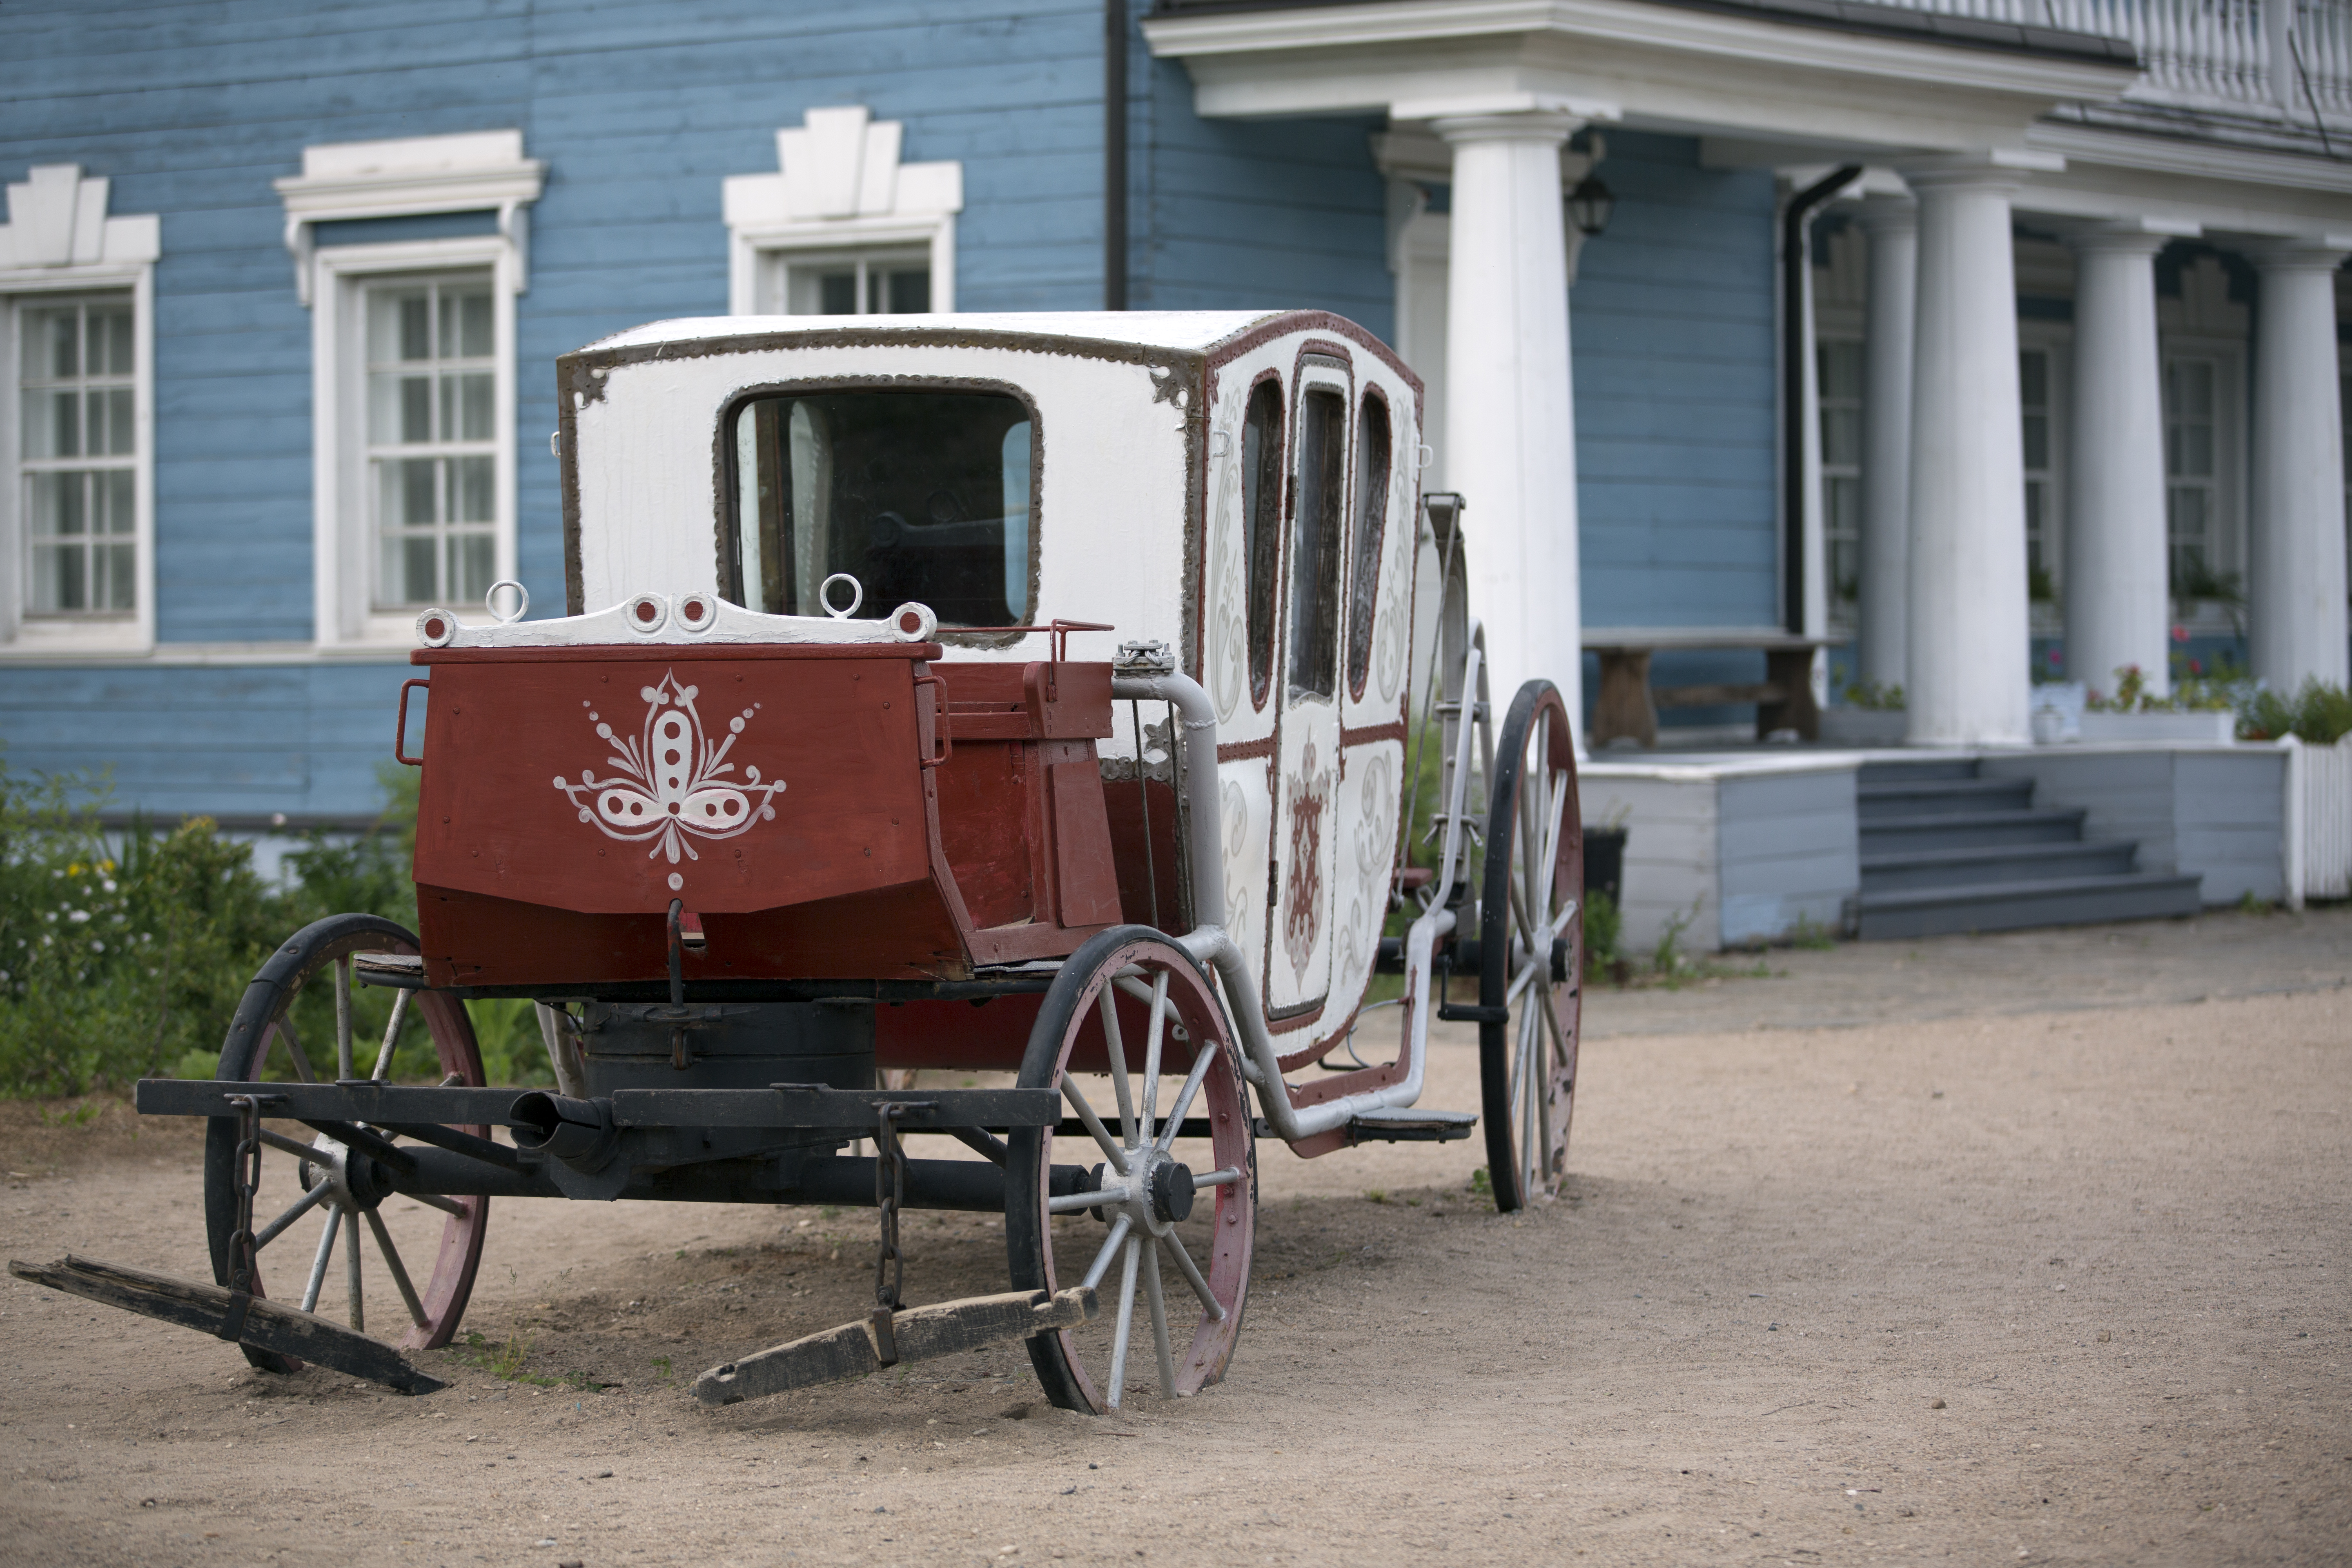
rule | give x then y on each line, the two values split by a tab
1531	949
1170	1222
301	1019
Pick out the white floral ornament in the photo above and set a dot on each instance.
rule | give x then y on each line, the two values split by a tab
673	785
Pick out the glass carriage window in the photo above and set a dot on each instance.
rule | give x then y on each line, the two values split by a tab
919	494
79	456
1318	520
1372	441
432	455
1262	522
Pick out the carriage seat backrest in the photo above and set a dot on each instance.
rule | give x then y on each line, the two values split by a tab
1022	817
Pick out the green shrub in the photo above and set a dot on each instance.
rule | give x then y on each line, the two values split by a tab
2320	714
122	953
1603	922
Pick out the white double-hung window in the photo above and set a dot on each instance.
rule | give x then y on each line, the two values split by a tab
843	227
413	372
79	456
77	568
432	455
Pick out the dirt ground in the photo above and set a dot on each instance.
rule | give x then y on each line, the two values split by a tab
2039	1263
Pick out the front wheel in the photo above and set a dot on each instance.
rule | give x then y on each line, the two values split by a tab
315	1194
1126	1005
1531	950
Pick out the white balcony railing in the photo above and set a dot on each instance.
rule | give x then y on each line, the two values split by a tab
2230	55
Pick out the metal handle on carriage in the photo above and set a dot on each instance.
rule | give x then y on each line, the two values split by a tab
400	725
1212	944
938	720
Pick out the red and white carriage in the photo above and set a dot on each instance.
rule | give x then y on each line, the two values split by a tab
1037	695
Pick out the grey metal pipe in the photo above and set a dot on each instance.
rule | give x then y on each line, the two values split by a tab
1204	811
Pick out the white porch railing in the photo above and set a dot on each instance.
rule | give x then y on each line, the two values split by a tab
2233	55
2319	819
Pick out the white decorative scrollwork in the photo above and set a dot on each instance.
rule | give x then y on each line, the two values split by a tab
1394	620
1239	884
671	785
1229	630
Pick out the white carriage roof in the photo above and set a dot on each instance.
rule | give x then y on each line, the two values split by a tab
1183	330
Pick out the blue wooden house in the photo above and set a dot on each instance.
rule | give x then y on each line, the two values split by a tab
1943	335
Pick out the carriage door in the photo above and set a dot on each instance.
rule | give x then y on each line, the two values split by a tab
1307	742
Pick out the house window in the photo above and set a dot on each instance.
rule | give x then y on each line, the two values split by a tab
844	227
2192	498
77	378
432	455
2033	389
79	456
1840	394
885	283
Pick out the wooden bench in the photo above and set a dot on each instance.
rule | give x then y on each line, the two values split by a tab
1626	706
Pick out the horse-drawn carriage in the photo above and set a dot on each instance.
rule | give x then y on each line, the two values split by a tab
1042	697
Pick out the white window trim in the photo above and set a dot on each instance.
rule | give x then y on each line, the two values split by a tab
2056	338
2230	478
343	535
68	244
412	177
839	187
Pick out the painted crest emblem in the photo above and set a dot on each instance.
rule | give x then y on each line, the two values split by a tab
672	788
1302	913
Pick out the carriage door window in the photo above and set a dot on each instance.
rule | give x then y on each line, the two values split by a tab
1317	531
1307	740
1373	443
1262	523
921	496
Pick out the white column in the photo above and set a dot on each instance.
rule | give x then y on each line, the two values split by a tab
2118	597
1967	663
2295	607
1510	420
1892	224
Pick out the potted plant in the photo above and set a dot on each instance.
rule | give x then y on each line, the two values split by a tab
2200	709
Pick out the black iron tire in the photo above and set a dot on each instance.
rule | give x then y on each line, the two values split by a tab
1526	1063
1072	1364
260	1041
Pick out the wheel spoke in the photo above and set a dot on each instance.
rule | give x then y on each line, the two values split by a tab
293	1146
391	1034
1192	1277
1126	1329
1110	1145
1201	1061
1152	1040
1115	1046
1225	1177
319	1262
301	1205
284	1029
351	1284
435	1201
1159	1301
342	1020
1102	1265
392	1264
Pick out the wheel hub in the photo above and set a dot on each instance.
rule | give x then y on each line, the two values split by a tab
1172	1191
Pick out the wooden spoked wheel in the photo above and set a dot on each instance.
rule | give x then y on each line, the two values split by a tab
1133	1036
302	1020
1531	949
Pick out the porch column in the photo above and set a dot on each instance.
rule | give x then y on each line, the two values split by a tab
1968	652
1510	421
2295	607
2118	597
1892	224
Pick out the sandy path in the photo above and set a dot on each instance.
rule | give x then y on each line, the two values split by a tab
2112	1243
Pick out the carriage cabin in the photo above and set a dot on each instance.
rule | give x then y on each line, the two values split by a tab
807	701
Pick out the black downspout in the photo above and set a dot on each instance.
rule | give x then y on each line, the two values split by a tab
1115	154
1794	221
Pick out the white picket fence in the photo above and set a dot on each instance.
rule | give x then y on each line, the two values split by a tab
2319	821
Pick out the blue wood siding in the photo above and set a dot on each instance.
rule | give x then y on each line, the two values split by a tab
1671	326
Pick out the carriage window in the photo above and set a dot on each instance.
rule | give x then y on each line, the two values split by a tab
1371	518
1318	521
921	496
1262	522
